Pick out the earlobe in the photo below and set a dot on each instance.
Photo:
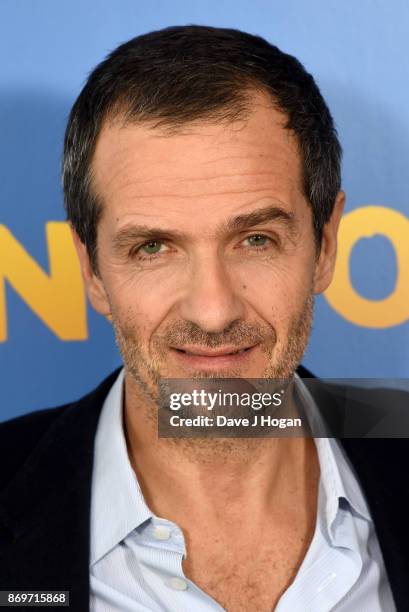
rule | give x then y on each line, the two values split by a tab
325	265
93	283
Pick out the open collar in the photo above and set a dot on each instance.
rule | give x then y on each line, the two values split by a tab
117	503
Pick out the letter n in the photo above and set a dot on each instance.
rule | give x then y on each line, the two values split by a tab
57	298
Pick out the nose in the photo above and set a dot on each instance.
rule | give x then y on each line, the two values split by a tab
210	300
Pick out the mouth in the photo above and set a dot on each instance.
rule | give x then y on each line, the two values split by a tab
197	357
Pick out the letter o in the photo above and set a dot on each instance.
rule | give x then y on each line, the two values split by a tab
365	222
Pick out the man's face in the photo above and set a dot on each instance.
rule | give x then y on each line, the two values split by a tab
206	253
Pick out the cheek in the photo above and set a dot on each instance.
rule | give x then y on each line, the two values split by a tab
278	292
140	303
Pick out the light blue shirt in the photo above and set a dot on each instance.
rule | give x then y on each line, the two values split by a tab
136	557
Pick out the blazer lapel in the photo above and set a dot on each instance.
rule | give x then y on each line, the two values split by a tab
380	467
45	510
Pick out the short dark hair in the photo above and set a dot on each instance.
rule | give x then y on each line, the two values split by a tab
185	73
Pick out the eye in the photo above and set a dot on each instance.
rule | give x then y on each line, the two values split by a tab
151	248
258	240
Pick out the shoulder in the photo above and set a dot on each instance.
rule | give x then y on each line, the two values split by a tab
367	408
21	436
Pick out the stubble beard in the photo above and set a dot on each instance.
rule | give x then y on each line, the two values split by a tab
148	371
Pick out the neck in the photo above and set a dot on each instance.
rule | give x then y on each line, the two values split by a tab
265	475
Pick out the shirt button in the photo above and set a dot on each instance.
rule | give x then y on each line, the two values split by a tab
178	584
161	532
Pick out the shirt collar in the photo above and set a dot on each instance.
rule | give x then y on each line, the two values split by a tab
117	502
338	477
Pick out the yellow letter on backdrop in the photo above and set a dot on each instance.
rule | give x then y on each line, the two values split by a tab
58	299
366	222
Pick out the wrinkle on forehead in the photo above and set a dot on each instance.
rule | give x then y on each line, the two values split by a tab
134	162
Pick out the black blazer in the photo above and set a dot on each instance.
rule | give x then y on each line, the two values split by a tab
46	462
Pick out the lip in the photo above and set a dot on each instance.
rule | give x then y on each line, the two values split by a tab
197	357
206	352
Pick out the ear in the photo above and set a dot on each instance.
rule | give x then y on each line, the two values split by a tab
325	264
93	283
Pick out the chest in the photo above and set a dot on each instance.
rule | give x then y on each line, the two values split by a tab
248	577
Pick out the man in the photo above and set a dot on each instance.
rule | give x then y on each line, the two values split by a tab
202	183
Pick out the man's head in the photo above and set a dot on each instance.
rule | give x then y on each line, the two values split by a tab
201	177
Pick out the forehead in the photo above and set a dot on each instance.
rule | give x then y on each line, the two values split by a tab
221	168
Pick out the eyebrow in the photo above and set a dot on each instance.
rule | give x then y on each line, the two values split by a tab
259	216
126	236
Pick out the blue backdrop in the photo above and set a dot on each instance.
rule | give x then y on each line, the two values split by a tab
358	53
